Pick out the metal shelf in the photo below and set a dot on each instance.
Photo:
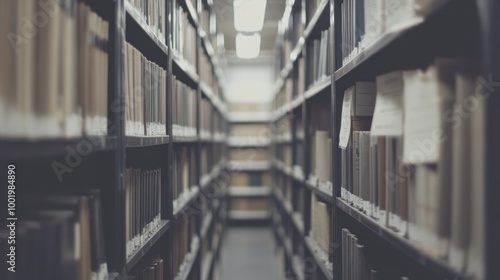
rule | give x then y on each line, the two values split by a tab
138	254
193	194
289	171
249	142
318	87
249	215
320	192
207	222
134	17
26	148
299	46
249	117
398	242
287	108
249	166
113	276
186	68
192	12
216	171
184	134
319	261
283	139
145	141
388	39
206	265
315	18
239	191
188	264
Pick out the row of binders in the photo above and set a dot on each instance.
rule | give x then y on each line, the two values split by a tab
184	109
145	95
354	261
206	113
413	157
320	224
53	77
143	206
358	264
184	243
59	236
184	35
149	268
366	21
319	58
206	73
320	155
184	172
285	95
321	159
153	13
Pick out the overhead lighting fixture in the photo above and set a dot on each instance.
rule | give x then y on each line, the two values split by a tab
247	46
249	15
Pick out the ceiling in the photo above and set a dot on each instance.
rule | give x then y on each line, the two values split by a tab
225	23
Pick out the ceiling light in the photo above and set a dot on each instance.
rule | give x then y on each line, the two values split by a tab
249	15
247	46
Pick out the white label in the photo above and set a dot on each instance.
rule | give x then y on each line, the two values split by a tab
388	114
422	117
345	126
73	125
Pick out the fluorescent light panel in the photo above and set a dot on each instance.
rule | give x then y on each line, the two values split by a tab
249	15
247	46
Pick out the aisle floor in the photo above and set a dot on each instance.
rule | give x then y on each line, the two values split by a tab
248	253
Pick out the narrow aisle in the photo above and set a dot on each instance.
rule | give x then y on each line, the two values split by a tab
248	253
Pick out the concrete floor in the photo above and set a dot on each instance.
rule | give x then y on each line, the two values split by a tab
248	253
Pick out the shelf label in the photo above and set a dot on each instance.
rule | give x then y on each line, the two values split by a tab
345	126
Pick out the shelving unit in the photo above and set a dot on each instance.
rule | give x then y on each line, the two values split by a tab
104	164
248	193
440	32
